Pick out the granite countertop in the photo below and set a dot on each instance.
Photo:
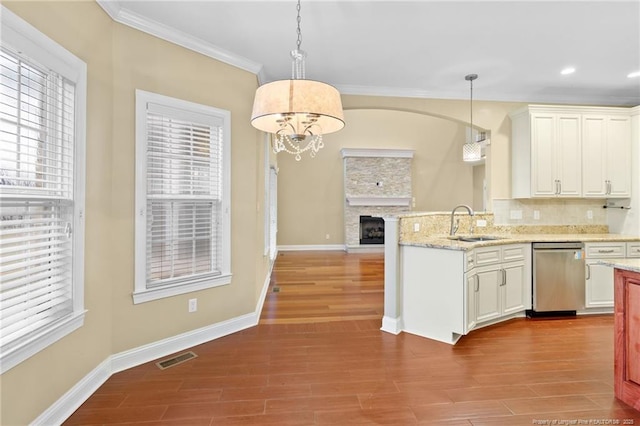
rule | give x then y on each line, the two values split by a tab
444	242
632	265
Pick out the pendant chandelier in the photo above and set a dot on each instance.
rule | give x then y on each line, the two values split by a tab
471	150
297	111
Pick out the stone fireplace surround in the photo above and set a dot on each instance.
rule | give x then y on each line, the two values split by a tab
377	182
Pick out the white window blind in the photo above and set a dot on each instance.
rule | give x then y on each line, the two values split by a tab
41	205
183	181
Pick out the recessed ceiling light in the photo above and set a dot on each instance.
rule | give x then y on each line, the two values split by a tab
634	74
568	70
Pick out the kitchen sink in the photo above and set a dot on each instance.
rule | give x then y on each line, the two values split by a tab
472	239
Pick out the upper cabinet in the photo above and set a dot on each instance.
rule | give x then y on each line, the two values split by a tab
571	152
606	156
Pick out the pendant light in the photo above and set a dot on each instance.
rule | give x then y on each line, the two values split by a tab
297	111
471	150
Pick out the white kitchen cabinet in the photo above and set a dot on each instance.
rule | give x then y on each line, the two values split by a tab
447	293
516	294
633	250
546	148
606	159
488	296
503	286
599	278
571	151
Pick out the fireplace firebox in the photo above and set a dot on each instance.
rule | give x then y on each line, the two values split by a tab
371	230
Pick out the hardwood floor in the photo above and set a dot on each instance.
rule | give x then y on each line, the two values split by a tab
324	286
318	358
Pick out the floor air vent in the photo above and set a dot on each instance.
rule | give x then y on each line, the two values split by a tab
178	359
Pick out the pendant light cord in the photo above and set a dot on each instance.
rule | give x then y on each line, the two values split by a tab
471	111
470	78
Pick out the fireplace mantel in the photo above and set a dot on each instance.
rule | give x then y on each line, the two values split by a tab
379	201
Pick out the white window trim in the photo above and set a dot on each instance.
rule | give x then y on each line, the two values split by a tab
20	35
141	293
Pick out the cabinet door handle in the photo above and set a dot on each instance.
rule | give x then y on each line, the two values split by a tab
476	278
556	182
609	188
503	277
588	277
605	251
559	187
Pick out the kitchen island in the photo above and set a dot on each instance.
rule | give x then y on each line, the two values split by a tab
627	331
442	287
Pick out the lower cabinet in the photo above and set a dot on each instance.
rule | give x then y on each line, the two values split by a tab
444	294
599	285
516	294
599	278
502	287
488	293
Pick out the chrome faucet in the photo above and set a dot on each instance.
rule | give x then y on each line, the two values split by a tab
454	228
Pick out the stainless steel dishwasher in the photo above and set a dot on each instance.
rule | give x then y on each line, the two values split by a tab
558	278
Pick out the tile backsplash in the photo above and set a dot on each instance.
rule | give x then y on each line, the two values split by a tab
549	212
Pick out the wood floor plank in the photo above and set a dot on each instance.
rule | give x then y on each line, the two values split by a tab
318	357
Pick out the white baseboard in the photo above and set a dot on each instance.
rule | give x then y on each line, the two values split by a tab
391	325
170	345
312	247
64	407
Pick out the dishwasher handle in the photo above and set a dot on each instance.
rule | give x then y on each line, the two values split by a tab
557	246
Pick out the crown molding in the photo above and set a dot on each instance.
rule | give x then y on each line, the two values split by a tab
556	98
121	15
112	7
172	35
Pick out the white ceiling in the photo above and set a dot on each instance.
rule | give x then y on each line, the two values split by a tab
418	48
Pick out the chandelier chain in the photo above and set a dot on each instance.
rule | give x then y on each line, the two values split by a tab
299	31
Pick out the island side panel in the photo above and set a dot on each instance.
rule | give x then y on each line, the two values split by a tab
627	338
433	292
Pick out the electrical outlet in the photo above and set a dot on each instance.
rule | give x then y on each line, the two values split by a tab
327	236
589	214
193	305
481	223
416	227
536	214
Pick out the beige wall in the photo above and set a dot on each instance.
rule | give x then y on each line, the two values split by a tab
310	192
120	60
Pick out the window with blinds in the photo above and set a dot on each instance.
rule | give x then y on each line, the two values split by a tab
181	196
41	187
